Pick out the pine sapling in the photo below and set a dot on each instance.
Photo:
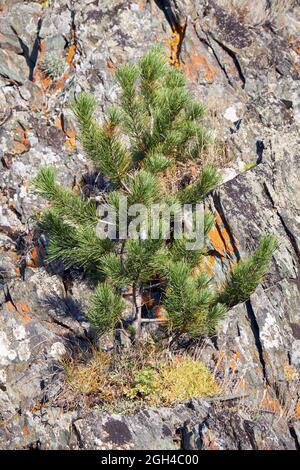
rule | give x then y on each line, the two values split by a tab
155	125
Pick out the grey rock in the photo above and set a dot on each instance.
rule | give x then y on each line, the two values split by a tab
13	67
196	425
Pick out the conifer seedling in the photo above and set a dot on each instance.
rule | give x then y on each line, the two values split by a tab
155	125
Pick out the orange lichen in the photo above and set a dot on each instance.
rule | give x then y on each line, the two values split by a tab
208	264
45	81
271	404
20	308
198	63
219	360
39	77
71	54
141	3
71	139
234	361
175	44
25	431
69	132
60	83
10	306
110	65
297	410
36	407
33	262
220	238
216	241
21	142
58	122
209	440
160	313
24	309
213	445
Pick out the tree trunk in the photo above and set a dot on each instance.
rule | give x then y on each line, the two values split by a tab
138	311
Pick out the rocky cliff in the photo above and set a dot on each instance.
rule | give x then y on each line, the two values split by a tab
245	66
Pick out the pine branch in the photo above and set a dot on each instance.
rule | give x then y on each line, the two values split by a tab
133	108
111	266
145	259
248	273
102	145
83	108
191	302
77	246
180	296
106	308
66	204
179	252
197	191
209	221
215	315
153	67
194	110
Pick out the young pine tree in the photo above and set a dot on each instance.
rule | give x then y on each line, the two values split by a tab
155	125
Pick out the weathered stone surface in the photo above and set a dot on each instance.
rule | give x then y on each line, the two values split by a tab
197	425
38	324
248	77
13	67
259	340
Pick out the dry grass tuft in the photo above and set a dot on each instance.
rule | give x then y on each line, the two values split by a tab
89	376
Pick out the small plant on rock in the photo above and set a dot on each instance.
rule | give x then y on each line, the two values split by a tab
53	65
141	142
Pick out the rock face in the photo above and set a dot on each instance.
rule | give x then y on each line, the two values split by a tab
247	74
196	425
